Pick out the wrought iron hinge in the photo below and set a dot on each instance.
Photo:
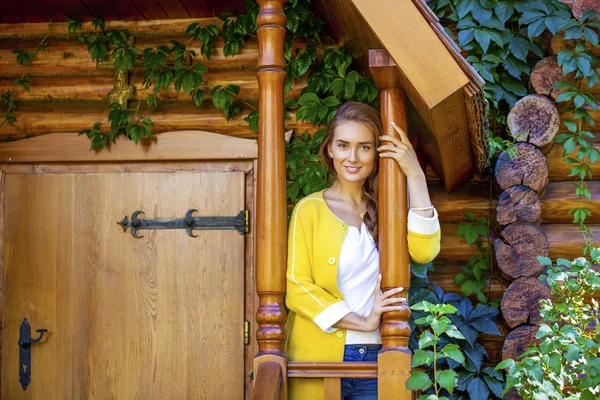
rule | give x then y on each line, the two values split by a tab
246	221
189	223
246	332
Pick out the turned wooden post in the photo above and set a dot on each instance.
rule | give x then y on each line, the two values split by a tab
271	221
394	260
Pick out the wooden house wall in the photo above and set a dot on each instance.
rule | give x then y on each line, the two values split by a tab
68	94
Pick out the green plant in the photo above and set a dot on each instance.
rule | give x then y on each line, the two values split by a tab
441	319
566	362
432	353
579	63
23	58
473	276
305	174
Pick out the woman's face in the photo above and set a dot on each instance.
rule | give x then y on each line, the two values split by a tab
353	151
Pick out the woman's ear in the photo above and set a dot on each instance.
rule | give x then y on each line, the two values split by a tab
329	150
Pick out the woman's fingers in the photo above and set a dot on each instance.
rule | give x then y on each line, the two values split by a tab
391	292
393	300
392	148
403	135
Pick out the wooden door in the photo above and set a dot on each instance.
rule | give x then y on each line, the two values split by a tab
154	318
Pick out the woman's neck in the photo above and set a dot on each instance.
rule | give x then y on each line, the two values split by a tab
351	192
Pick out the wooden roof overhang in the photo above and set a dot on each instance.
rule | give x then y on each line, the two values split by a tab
446	114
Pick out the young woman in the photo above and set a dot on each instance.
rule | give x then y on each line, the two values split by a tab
333	279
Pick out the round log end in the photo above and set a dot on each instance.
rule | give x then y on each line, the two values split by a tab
518	341
534	119
512	394
545	75
521	301
581	6
528	168
517	249
518	203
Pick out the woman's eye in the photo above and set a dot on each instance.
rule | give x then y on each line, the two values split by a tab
366	148
342	145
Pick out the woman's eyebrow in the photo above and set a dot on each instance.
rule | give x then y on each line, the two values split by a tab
345	142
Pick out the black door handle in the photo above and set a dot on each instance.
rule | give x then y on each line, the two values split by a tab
24	342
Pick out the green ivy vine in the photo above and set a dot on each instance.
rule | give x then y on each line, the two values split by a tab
578	65
23	58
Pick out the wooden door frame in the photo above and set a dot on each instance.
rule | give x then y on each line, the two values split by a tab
189	151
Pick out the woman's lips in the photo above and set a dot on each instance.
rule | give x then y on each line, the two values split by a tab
352	170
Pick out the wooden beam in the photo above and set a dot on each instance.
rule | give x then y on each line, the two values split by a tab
86	88
182	145
564	241
163	27
72	58
43	118
271	219
394	358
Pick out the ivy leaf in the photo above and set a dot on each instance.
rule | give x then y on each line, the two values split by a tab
23	82
447	379
475	354
553	23
421	357
535	29
452	351
309	99
99	142
98	23
252	120
573	32
478	389
485	325
483	38
23	57
480	14
418	381
504	10
494	385
453	332
519	46
466	36
591	36
464	7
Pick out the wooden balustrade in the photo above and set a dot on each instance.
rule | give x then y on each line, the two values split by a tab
394	261
332	374
271	220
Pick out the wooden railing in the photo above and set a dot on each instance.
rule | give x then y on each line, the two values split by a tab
332	374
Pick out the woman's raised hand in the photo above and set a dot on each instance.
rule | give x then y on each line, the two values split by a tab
402	151
384	302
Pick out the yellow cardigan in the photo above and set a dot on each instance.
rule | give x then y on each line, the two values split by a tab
314	243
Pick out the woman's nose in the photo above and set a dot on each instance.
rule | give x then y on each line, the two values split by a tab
353	155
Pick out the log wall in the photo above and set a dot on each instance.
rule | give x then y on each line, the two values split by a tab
68	94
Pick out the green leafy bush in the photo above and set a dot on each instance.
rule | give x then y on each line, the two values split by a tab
445	328
566	363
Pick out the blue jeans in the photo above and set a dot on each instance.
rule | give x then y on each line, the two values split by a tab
360	389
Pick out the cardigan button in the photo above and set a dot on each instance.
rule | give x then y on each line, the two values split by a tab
331	260
343	226
339	334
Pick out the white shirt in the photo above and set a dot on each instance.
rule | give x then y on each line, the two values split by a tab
358	269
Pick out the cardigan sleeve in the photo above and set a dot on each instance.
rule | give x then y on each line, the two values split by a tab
303	296
423	237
